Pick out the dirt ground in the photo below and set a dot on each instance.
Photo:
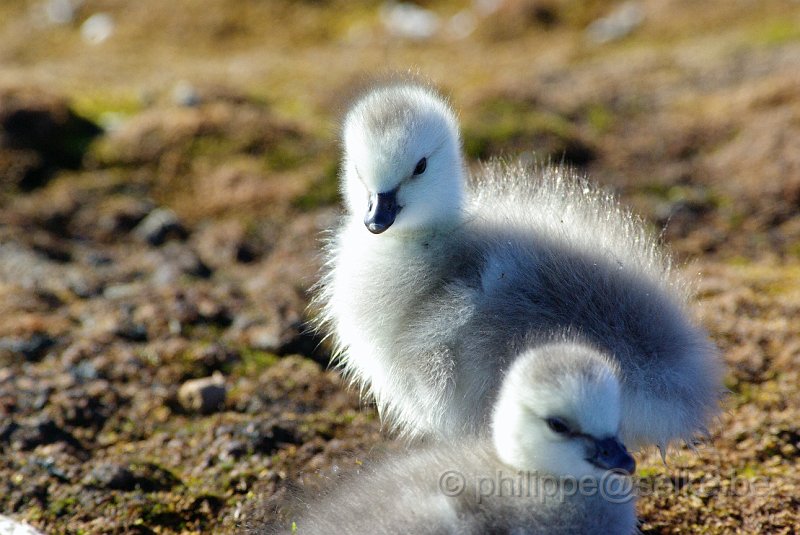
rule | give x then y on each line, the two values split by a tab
166	169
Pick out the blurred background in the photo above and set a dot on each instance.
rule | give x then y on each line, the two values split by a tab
166	169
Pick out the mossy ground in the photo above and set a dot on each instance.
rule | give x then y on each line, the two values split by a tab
694	119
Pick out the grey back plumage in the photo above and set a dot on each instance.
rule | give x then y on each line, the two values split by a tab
554	253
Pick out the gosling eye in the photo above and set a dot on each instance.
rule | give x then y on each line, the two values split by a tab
558	426
421	166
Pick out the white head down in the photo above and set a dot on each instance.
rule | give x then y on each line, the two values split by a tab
402	166
558	411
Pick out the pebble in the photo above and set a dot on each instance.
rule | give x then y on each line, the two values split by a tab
116	292
97	28
112	476
175	261
9	526
185	94
487	7
462	24
403	19
268	436
40	431
618	24
60	12
231	450
84	370
32	348
81	406
203	395
7	429
118	215
160	225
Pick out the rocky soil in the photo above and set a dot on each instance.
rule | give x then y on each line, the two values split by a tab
162	194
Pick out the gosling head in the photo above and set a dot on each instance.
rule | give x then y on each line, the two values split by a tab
559	412
402	165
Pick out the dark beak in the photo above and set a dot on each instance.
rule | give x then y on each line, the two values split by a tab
382	210
610	454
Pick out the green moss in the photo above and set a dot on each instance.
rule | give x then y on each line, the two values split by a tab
648	472
657	190
743	393
600	118
777	32
286	155
793	249
64	506
97	106
253	362
749	471
501	126
35	512
736	219
130	429
213	146
777	288
323	192
580	13
163	514
207	332
153	477
694	195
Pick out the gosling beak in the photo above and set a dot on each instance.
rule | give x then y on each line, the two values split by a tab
610	454
381	211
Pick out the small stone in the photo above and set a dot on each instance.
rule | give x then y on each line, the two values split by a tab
50	247
79	407
39	134
160	225
212	357
409	21
185	94
7	428
621	22
268	436
59	12
462	24
97	28
263	338
232	449
32	348
219	244
122	291
487	7
176	261
118	215
204	395
150	477
9	526
84	371
112	476
37	433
